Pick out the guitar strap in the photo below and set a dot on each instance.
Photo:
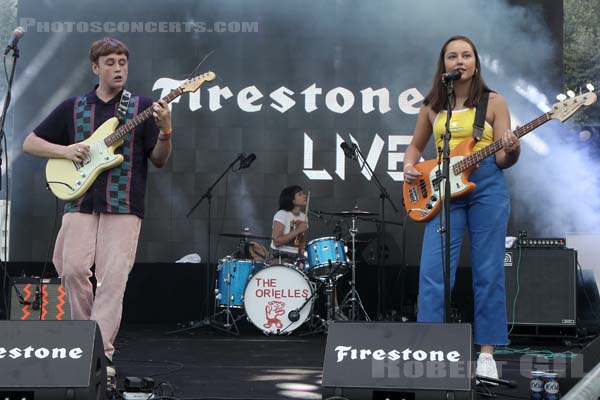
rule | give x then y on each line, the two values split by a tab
479	123
123	106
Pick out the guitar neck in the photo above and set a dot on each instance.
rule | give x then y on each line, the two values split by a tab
138	119
487	151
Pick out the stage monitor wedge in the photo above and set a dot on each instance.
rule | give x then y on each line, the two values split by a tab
47	360
373	360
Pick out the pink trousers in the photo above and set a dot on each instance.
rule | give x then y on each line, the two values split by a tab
110	242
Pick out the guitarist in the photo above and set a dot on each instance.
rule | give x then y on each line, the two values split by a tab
484	212
102	227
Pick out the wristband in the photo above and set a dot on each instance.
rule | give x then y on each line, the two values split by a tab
164	139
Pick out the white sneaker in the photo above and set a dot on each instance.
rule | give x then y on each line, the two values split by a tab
111	377
486	366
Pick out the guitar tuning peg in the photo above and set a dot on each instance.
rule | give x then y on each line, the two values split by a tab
561	97
589	87
570	93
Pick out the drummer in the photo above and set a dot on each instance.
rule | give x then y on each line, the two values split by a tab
289	228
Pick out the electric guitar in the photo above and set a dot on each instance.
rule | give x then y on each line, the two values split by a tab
422	199
69	180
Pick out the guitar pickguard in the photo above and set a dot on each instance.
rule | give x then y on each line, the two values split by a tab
98	156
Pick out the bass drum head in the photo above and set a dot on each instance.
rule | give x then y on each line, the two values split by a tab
272	293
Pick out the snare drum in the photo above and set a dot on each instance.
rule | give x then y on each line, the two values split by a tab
326	254
232	278
272	293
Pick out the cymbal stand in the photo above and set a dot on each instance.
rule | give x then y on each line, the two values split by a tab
352	296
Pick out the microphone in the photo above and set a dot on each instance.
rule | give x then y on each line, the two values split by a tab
510	383
451	76
23	301
245	162
14	39
349	151
35	305
294	315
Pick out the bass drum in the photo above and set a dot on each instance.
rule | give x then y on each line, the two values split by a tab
272	293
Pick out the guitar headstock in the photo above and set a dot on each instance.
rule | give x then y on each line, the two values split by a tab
193	84
567	106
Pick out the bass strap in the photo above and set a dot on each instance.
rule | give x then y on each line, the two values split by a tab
479	123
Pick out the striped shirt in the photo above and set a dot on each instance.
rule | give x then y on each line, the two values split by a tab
120	190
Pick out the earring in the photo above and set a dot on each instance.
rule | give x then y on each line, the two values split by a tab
475	71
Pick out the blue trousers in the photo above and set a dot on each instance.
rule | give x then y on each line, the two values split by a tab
485	213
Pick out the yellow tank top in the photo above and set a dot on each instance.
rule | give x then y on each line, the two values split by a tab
461	127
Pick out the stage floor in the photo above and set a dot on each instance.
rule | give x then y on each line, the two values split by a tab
205	363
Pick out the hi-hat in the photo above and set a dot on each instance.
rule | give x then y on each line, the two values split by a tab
354	212
245	234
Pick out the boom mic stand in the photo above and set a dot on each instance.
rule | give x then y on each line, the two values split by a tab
383	196
208	321
329	280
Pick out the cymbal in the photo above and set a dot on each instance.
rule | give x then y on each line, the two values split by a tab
245	235
354	212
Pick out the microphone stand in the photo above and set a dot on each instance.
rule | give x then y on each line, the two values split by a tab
7	99
207	321
294	315
444	229
383	195
484	390
7	103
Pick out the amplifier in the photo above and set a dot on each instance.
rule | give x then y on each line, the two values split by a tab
541	286
43	299
554	243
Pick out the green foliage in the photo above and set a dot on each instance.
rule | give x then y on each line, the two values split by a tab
582	51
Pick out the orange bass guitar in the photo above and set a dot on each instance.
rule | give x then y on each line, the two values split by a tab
422	198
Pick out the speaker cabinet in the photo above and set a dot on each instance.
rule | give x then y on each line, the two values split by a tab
541	286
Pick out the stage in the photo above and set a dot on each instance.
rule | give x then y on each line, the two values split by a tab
205	363
325	96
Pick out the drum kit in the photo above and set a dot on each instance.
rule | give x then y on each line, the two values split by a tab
279	297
